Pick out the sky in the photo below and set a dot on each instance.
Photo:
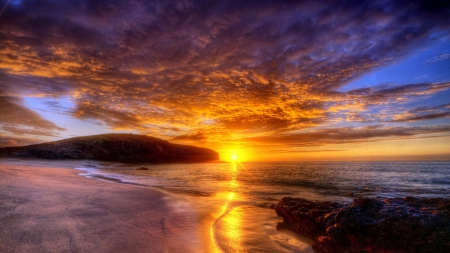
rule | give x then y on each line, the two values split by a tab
260	80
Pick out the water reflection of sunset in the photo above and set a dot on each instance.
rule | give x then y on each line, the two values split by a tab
227	223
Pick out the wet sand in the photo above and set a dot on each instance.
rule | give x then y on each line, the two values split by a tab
56	210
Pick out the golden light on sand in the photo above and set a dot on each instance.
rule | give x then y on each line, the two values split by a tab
232	228
227	225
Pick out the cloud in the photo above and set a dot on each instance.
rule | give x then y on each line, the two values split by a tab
198	137
382	94
424	113
9	141
303	151
438	58
177	68
349	135
18	119
380	104
429	116
112	117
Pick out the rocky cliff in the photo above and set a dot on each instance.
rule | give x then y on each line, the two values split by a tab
115	147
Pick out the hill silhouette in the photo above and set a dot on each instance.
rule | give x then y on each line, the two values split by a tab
115	147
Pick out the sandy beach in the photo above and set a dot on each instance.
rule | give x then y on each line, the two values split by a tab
92	206
56	210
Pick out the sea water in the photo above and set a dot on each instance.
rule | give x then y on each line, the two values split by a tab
232	200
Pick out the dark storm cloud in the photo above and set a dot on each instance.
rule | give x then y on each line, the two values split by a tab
208	66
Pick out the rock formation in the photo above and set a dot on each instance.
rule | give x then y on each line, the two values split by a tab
115	147
370	225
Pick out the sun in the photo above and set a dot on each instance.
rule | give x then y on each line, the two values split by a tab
234	157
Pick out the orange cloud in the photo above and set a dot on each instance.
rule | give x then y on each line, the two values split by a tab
257	71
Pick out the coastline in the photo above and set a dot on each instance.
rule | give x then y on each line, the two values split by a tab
62	205
67	206
57	210
223	207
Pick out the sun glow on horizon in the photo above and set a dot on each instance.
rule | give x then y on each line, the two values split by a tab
251	98
235	152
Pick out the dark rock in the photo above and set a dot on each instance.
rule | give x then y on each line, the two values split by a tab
371	224
142	168
115	147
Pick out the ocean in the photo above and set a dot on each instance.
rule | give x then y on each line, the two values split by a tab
264	183
232	200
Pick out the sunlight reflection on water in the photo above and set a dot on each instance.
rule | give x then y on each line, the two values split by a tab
239	227
232	199
230	232
229	201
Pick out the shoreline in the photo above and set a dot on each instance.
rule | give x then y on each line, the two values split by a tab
197	223
56	210
226	227
226	206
